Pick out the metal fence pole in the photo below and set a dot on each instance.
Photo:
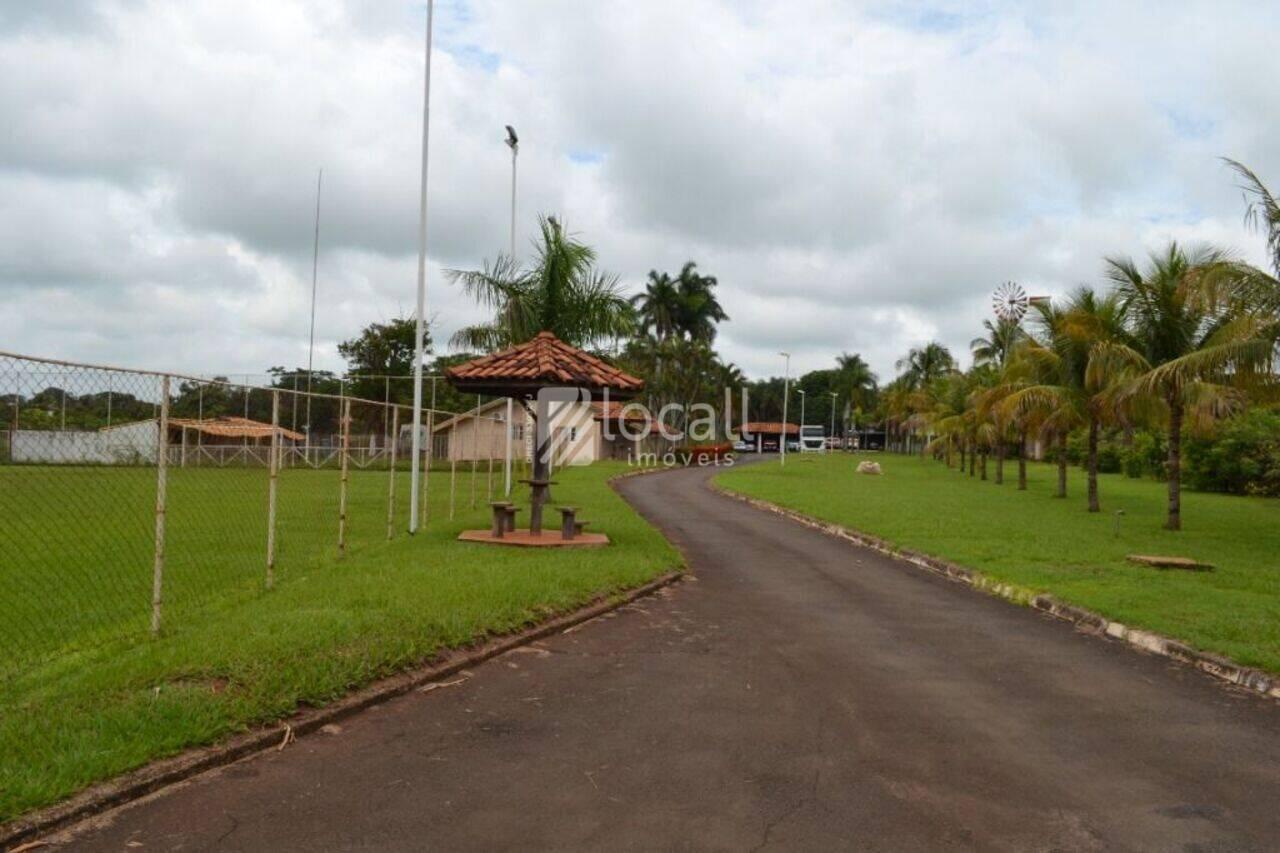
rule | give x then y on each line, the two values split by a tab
162	470
273	466
475	449
453	479
391	484
430	452
342	487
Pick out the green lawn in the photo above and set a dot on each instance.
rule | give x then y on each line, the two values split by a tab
85	694
1053	545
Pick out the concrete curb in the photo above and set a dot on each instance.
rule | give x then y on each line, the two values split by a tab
1255	680
159	774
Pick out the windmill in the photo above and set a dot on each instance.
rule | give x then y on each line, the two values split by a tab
1010	302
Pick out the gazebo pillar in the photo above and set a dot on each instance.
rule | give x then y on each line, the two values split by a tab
541	454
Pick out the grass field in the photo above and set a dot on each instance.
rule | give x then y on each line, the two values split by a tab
79	540
94	696
1053	545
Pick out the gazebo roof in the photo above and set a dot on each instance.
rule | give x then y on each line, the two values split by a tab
544	362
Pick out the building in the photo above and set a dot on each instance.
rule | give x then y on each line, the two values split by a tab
766	435
218	441
581	432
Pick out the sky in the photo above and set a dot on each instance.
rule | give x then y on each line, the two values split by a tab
859	176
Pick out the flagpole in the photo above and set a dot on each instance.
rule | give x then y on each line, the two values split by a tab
420	315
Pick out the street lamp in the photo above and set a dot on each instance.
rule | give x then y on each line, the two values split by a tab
834	395
513	142
786	393
800	391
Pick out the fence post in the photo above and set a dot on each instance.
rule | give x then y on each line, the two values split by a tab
430	451
453	478
273	466
391	485
342	487
475	450
162	470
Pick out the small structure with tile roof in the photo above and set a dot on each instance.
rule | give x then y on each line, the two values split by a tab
532	373
766	435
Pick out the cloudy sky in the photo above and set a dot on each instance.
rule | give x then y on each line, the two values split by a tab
858	175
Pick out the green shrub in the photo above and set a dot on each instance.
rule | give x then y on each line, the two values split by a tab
1145	457
1243	458
1109	457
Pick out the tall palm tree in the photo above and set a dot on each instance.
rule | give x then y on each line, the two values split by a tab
857	378
1092	319
998	345
1239	287
1049	370
561	292
1185	354
922	365
658	306
698	310
1262	210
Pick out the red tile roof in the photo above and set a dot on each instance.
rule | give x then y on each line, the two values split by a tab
612	410
229	426
544	362
769	428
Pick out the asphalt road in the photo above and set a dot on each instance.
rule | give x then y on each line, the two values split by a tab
799	693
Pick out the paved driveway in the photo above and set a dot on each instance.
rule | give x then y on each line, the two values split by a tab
800	693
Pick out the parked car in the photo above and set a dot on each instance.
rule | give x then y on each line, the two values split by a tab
743	447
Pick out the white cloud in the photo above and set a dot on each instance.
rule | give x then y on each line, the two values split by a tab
858	175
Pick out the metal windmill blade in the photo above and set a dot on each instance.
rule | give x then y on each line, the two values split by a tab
1010	302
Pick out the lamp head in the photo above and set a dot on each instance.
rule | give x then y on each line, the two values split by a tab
512	139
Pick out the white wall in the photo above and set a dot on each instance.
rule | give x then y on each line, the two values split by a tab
129	443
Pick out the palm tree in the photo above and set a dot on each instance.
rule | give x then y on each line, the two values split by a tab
1262	211
1239	287
658	306
1184	354
922	365
857	378
1001	339
561	292
698	310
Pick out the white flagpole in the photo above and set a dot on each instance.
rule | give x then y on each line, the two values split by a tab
420	316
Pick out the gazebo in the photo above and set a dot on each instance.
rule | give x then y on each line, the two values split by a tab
534	374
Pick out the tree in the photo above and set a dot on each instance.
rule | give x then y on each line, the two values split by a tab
698	310
658	306
382	350
1055	370
998	345
857	380
922	365
562	292
1184	353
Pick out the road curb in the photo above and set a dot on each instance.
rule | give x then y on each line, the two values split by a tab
167	771
1222	668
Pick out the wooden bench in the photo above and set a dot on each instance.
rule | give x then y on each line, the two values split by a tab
570	526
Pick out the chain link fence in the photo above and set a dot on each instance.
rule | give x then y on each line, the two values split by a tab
131	501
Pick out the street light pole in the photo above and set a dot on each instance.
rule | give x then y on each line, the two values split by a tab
803	397
786	393
415	466
834	396
513	142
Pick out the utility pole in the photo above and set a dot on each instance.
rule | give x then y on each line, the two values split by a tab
415	468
